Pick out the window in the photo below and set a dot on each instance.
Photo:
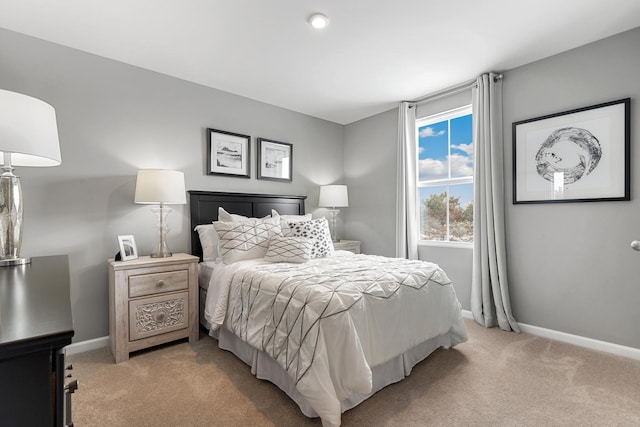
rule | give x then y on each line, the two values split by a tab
445	176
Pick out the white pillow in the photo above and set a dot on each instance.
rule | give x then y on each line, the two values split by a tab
225	216
318	231
246	239
209	241
288	249
291	218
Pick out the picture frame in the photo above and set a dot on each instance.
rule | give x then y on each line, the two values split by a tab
128	249
580	155
228	153
275	160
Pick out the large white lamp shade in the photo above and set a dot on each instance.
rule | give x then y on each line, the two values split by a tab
28	131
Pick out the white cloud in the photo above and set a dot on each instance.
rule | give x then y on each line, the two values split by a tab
429	132
461	165
437	169
467	148
431	169
420	150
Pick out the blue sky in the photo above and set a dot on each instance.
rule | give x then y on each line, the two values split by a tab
434	161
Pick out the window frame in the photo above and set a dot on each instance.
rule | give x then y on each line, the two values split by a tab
424	121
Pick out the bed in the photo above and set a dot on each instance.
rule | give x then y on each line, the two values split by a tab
329	330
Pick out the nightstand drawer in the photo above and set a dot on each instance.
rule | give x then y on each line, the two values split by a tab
158	315
149	284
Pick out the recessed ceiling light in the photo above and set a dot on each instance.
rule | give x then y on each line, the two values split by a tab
319	20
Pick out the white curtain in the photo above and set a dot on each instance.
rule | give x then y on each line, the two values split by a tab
490	302
406	219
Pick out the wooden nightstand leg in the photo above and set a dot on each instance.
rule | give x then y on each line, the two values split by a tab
120	356
194	306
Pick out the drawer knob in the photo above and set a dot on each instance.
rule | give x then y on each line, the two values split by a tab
71	387
160	283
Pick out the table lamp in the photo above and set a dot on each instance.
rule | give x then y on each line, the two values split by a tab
333	196
160	187
28	137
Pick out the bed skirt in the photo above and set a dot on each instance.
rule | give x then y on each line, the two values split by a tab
265	368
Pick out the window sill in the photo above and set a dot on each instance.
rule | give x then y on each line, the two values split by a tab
458	245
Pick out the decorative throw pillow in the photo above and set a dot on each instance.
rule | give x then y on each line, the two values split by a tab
288	249
285	220
318	231
246	239
209	241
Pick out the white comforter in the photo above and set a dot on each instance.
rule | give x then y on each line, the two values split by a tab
329	320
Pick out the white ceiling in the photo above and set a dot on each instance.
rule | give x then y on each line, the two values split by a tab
373	54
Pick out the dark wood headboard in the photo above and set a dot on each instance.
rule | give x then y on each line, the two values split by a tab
204	208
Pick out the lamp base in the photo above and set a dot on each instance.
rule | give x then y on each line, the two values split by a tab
162	248
332	224
14	261
10	216
161	254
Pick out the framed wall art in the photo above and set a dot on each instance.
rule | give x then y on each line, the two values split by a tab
128	249
275	160
228	153
579	155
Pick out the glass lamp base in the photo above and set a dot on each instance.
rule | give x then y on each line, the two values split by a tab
162	249
10	217
333	220
161	252
14	261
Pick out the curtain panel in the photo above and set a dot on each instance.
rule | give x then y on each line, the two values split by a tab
406	218
490	303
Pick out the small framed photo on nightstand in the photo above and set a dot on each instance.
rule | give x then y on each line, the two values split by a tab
128	250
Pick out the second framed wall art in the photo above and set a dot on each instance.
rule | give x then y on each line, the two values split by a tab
275	160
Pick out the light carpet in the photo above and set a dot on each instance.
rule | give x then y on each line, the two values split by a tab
495	379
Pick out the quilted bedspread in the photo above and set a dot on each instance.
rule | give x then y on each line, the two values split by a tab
329	320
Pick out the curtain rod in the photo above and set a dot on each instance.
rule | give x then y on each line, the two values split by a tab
451	90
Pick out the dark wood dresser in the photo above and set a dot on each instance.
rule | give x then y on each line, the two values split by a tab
35	326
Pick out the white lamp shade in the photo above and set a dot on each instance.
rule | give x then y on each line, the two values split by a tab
333	196
28	131
155	186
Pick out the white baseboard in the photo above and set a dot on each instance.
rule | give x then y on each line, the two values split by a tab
467	314
620	350
82	346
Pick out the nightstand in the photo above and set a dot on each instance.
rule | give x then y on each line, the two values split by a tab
347	245
152	301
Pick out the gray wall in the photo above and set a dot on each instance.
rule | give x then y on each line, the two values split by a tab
570	265
115	119
370	173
